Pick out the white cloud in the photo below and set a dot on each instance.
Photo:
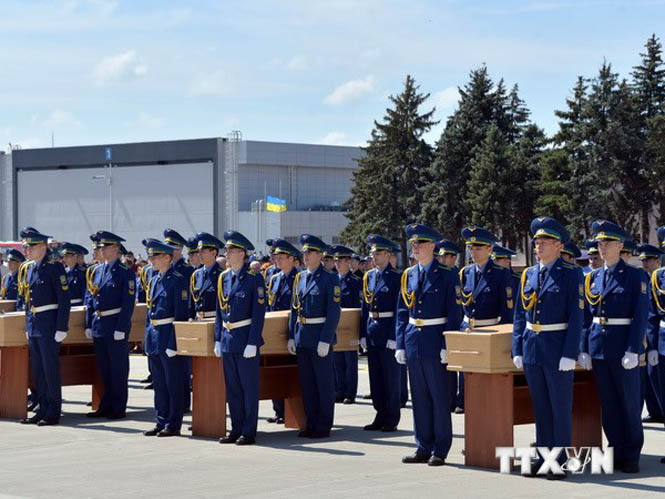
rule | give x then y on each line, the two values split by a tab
350	90
149	121
216	83
333	138
446	98
61	120
118	67
297	63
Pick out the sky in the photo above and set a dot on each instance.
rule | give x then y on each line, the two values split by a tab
77	72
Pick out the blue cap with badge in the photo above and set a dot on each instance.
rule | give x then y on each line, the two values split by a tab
15	255
570	248
604	230
478	236
421	233
341	251
646	251
107	238
549	227
283	247
499	252
376	242
312	243
31	236
156	247
446	247
174	238
234	239
206	240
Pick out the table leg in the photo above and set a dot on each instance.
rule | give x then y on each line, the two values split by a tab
14	369
208	398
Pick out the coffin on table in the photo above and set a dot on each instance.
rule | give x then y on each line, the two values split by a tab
7	305
483	350
196	338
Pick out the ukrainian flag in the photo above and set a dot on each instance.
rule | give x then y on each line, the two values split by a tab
275	204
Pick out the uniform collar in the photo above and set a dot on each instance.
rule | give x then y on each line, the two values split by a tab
548	266
426	267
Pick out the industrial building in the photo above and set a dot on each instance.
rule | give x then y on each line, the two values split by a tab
136	190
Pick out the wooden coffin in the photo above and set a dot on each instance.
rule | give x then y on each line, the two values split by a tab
12	329
7	305
76	333
348	330
195	338
483	350
276	333
137	333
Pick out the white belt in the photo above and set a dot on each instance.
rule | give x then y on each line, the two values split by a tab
75	301
428	322
539	328
162	322
604	321
311	320
44	308
106	313
381	315
482	322
205	315
234	325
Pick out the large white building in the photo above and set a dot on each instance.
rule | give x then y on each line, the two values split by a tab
137	190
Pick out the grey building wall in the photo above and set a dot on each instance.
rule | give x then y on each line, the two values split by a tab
6	196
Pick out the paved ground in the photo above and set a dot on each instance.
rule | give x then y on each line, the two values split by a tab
112	459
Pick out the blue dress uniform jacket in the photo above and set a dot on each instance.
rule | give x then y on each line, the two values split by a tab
559	300
168	301
656	322
46	284
203	290
320	298
280	290
77	285
9	287
346	363
486	295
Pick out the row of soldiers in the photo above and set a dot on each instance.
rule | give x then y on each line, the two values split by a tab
560	319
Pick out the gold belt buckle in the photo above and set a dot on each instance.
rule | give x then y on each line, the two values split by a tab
32	310
374	315
537	328
98	313
603	321
420	323
228	325
200	315
472	322
301	319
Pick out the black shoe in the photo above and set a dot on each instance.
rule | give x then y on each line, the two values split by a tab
652	419
630	468
33	406
187	411
97	414
388	429
280	421
349	401
662	460
367	397
147	380
373	427
31	420
305	434
48	422
319	434
436	461
415	458
89	404
230	439
149	387
167	432
245	441
117	415
153	432
403	405
272	419
459	410
339	400
556	476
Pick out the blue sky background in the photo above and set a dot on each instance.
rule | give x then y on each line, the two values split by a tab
103	71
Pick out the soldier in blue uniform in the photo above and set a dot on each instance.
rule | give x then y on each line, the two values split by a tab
346	363
280	291
9	287
429	303
503	257
355	265
595	261
570	253
274	268
241	308
168	301
381	286
446	253
315	314
650	257
617	294
111	307
193	255
75	274
628	249
47	307
203	282
546	334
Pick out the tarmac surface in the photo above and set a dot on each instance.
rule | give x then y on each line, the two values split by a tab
99	458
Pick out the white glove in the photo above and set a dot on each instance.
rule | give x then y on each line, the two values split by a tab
322	348
630	360
652	357
363	343
118	335
218	349
60	336
88	333
400	356
517	362
291	347
27	336
391	344
566	364
170	353
444	356
250	351
584	360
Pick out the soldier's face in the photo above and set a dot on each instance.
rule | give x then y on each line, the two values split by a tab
110	252
35	251
354	265
343	265
380	258
480	253
13	265
423	251
284	262
70	260
610	250
195	259
502	262
312	259
207	256
547	249
161	262
595	261
567	258
650	264
235	257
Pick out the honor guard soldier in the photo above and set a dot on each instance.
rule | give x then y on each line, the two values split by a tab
273	269
628	249
193	252
617	294
429	304
315	314
355	265
9	287
570	253
203	283
546	334
113	289
381	287
75	274
241	308
168	301
656	326
595	261
47	306
447	253
650	257
280	292
346	363
89	281
503	257
328	261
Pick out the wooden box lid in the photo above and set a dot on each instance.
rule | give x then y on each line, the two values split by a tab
195	338
12	329
7	305
483	350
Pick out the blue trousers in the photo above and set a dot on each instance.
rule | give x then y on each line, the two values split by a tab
318	388
385	385
45	365
403	383
552	400
241	377
430	396
619	391
187	379
113	363
167	382
346	374
650	388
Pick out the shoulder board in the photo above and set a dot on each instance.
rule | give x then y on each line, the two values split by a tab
123	266
517	273
567	265
445	267
177	274
395	271
497	266
251	272
329	271
355	277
